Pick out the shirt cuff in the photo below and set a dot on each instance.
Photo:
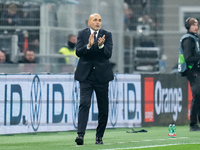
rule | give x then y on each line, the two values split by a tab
100	47
88	47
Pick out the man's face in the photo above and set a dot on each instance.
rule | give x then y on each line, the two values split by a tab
95	22
194	28
30	56
73	39
2	57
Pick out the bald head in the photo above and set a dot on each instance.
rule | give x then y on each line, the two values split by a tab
92	15
95	21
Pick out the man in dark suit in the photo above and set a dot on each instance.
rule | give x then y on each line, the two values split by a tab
94	49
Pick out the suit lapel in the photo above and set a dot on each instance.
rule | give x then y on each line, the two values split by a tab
87	35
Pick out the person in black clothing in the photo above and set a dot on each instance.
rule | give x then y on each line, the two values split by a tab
29	57
190	46
94	71
10	16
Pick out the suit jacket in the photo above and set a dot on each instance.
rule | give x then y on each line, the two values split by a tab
94	57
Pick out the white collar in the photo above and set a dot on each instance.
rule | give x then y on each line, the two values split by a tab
92	31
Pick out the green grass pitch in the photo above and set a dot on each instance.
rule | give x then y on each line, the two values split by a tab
114	139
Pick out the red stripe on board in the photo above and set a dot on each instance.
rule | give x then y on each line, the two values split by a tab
149	99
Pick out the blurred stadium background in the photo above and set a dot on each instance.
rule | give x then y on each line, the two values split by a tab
142	30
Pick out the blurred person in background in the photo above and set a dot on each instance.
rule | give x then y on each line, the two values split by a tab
128	16
29	57
2	57
94	71
30	14
34	44
146	20
29	39
189	47
68	50
10	17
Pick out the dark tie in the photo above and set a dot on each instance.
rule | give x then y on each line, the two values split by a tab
95	38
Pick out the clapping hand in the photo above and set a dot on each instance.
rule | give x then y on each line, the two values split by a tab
91	40
101	40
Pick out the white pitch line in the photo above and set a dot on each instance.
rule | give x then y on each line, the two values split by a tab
120	142
140	147
183	137
108	144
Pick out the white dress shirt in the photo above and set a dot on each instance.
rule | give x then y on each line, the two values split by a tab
92	31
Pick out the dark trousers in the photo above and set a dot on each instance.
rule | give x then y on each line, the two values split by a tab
86	89
194	79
